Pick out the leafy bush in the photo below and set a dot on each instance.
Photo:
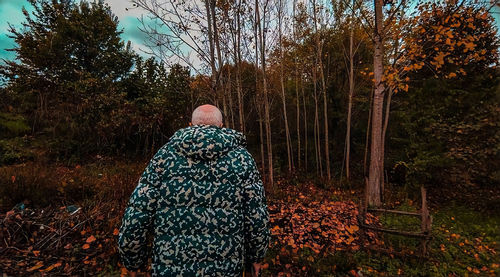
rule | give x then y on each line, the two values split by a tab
14	150
12	125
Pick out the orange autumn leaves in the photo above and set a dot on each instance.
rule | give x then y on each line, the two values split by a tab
88	241
440	41
319	226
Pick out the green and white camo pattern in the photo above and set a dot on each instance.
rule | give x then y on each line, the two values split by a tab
202	198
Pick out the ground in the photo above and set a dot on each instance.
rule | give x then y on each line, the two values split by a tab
314	229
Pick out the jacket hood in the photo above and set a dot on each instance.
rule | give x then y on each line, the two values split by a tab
205	142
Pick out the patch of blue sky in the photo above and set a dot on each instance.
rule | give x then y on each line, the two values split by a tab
10	13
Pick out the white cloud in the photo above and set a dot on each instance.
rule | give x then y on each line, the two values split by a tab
124	8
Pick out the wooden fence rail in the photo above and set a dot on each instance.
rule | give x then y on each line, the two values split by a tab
425	228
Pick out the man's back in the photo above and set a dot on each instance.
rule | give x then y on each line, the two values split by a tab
203	199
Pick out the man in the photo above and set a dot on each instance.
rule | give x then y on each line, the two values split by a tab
202	198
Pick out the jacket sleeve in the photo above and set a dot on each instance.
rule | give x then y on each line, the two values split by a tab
256	217
138	217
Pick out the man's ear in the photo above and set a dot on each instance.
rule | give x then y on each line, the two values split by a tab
190	124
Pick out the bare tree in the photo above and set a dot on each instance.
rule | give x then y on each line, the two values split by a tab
352	53
280	7
319	61
262	26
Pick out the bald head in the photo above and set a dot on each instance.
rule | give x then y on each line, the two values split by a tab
207	115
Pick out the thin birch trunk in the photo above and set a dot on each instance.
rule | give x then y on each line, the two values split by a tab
349	108
237	62
319	51
317	142
367	139
230	96
304	103
297	97
264	90
213	76
282	83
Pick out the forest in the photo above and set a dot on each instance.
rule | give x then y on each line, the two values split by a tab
355	111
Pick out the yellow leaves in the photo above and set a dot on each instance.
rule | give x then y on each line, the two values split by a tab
116	232
86	246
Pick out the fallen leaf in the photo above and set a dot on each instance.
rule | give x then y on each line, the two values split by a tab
35	267
90	239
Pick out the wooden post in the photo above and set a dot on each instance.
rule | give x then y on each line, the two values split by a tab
426	221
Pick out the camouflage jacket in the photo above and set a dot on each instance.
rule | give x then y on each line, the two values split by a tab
202	198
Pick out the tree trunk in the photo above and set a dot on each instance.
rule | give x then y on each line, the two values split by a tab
325	114
376	154
264	90
351	95
317	142
237	63
304	103
384	131
261	137
257	102
213	76
282	83
297	97
319	62
368	129
230	96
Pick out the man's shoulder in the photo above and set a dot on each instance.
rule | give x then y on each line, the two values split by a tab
240	152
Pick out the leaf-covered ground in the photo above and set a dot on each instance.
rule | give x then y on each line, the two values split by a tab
314	232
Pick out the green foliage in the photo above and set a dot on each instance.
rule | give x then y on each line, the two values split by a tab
82	90
14	150
464	242
41	185
12	125
453	131
449	118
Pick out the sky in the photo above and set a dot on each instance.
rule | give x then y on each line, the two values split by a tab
11	12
